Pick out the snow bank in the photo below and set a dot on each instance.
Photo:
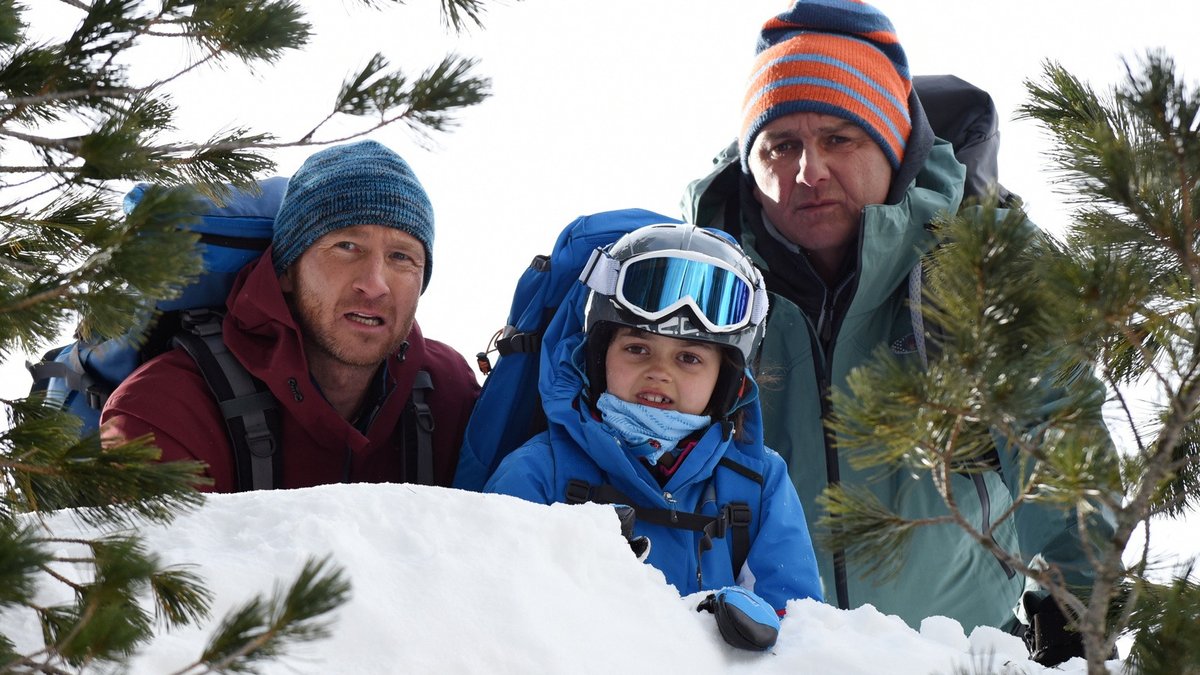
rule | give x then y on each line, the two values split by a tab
456	582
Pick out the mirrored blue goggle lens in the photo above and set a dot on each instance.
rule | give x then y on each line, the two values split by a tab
656	284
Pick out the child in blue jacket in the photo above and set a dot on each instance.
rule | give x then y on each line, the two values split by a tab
654	407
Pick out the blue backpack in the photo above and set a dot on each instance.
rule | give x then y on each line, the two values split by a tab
547	306
81	375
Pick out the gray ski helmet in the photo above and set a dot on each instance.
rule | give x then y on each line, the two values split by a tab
680	281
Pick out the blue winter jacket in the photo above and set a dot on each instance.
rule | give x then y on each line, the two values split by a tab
780	564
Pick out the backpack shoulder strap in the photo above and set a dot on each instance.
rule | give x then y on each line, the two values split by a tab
579	492
739	469
739	516
420	419
916	316
734	518
250	410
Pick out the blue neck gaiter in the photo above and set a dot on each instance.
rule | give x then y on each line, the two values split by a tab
645	431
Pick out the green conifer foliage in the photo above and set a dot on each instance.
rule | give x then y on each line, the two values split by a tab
68	254
1022	320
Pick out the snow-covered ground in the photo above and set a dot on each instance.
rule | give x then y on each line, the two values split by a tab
449	581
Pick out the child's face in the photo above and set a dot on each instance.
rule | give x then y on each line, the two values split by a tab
662	372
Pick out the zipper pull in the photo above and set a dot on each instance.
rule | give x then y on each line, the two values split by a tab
825	328
671	501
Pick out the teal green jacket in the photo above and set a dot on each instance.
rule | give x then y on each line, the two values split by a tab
815	337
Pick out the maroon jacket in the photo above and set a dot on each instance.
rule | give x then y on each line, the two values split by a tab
168	397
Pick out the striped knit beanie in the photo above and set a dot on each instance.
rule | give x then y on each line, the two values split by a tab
836	57
360	183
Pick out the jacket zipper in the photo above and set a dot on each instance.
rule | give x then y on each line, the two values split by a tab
671	502
670	499
824	334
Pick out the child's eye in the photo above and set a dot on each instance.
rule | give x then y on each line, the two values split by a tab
690	358
636	349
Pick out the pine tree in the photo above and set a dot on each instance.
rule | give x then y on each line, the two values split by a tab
1022	316
77	127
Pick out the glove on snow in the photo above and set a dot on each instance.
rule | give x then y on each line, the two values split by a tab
745	620
639	545
1047	637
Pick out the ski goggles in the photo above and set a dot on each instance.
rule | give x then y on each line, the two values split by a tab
657	284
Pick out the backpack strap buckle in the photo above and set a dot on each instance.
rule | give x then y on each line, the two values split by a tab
96	396
578	492
737	514
423	383
202	321
523	343
262	443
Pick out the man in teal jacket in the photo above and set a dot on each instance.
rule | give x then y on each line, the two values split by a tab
840	174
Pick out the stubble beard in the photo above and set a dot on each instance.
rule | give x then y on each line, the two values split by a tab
322	340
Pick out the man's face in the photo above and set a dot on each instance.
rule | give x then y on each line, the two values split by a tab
354	293
813	174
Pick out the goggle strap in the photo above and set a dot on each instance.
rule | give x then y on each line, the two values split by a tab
758	311
601	272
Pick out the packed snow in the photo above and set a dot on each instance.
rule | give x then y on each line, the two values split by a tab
450	581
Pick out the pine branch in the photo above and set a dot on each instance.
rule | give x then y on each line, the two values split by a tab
869	532
1167	626
458	15
461	14
261	629
258	30
68	253
53	468
427	104
20	559
180	598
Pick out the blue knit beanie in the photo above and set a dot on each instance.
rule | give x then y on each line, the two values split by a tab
836	57
360	183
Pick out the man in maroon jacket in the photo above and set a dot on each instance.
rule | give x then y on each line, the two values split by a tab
325	318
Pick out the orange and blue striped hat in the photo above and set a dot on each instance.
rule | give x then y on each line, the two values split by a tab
837	57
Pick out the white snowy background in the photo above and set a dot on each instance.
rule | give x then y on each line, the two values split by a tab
596	106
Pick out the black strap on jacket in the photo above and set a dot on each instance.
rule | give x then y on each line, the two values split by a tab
418	418
733	518
251	411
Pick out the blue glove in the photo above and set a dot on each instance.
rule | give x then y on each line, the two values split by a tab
745	620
